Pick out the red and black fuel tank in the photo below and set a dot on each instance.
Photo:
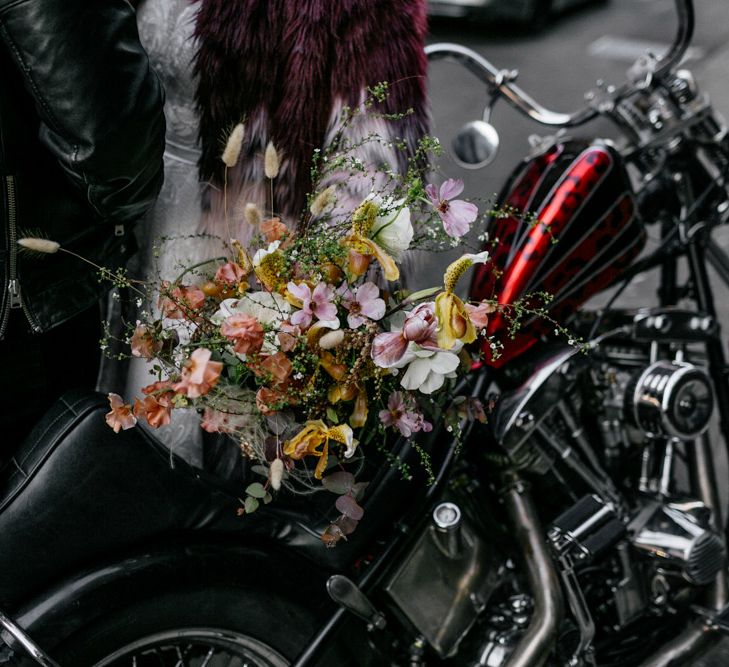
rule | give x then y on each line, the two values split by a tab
567	227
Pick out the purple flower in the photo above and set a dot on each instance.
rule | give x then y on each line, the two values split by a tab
363	304
317	303
400	416
457	215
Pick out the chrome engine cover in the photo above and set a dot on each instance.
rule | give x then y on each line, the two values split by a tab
678	533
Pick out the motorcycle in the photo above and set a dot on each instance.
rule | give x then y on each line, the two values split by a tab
582	525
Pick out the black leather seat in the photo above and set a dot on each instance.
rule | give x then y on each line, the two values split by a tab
77	494
75	491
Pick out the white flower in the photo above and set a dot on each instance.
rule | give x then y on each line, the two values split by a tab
260	254
267	307
392	229
427	370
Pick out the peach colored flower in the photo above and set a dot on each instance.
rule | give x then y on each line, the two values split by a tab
245	331
273	229
288	335
143	342
156	413
162	390
181	301
230	273
120	417
200	374
277	365
268	401
479	314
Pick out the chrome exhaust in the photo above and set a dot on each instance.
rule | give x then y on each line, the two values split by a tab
534	647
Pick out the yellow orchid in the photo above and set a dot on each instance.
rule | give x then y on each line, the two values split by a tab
368	247
454	322
313	440
381	229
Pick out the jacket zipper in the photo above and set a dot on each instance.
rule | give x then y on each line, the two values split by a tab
15	299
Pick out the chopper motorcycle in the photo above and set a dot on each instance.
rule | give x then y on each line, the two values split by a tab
582	525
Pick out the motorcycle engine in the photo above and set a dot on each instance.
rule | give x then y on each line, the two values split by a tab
608	431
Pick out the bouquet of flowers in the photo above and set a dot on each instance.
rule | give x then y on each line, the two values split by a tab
300	343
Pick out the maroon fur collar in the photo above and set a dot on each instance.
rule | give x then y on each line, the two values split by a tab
294	59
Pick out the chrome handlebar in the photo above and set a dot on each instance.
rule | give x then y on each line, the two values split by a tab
501	81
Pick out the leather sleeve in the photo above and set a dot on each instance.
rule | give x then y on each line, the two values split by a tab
100	103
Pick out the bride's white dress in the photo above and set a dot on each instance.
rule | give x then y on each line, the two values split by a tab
167	239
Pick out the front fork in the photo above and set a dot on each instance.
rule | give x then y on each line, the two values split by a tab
12	634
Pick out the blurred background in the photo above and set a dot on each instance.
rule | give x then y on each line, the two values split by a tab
560	55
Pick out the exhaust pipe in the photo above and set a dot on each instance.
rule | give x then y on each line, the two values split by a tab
698	635
534	647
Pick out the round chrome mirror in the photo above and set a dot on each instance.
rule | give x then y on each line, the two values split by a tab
475	145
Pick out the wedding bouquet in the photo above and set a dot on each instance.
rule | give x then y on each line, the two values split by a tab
301	342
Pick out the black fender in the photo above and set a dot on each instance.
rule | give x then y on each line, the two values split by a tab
77	602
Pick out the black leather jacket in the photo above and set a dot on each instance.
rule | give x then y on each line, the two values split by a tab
81	143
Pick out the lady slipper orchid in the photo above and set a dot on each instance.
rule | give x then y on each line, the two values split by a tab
457	215
382	229
454	322
313	440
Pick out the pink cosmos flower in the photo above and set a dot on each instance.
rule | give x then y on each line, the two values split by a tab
400	416
457	215
363	304
120	417
314	303
181	302
200	375
245	331
419	327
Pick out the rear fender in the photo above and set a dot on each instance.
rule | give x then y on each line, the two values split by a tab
70	605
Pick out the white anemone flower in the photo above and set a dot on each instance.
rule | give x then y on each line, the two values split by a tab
427	370
260	254
392	229
267	307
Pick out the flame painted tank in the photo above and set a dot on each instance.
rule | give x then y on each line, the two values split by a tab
572	229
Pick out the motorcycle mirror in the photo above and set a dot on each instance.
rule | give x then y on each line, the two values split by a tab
475	145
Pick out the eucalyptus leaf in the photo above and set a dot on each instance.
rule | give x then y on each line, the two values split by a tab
349	507
251	505
338	482
256	490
